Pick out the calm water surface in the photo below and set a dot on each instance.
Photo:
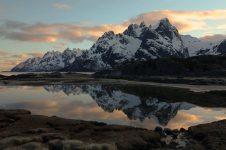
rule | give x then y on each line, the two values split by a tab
105	104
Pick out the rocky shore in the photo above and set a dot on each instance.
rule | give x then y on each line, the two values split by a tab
21	130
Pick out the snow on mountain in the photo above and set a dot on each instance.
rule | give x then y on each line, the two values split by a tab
139	42
197	47
135	30
161	40
31	62
111	49
136	42
217	49
51	61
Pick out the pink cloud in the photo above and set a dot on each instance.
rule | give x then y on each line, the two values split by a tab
214	37
185	21
9	60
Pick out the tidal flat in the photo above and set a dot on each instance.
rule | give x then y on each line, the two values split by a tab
74	109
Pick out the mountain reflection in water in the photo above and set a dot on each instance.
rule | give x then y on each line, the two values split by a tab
107	104
133	106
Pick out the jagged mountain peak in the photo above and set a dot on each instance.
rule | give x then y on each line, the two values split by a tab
163	23
142	24
166	29
108	34
135	30
67	49
51	54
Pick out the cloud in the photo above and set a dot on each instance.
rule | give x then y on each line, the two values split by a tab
61	6
60	46
9	60
6	65
214	38
3	53
41	32
27	55
184	120
223	26
185	21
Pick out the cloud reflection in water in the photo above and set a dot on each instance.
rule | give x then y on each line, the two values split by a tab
106	104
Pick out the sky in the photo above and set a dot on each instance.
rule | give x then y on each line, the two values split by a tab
29	28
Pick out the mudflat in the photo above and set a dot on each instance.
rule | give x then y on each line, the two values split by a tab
22	130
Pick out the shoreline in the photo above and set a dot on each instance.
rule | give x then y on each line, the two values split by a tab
21	129
200	95
32	79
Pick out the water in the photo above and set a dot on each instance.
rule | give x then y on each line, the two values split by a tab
108	104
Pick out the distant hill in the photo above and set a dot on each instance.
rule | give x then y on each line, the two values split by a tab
171	66
2	76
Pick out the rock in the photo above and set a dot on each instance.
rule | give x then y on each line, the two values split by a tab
175	130
29	146
3	125
72	144
211	135
34	132
38	130
14	141
182	130
55	145
34	146
168	131
51	136
14	148
100	147
158	129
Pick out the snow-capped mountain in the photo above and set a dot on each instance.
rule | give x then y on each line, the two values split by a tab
216	49
136	108
161	40
194	45
139	42
51	61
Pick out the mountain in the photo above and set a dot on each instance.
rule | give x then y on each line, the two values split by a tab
51	61
137	42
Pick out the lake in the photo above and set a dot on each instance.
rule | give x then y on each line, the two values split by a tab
109	104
